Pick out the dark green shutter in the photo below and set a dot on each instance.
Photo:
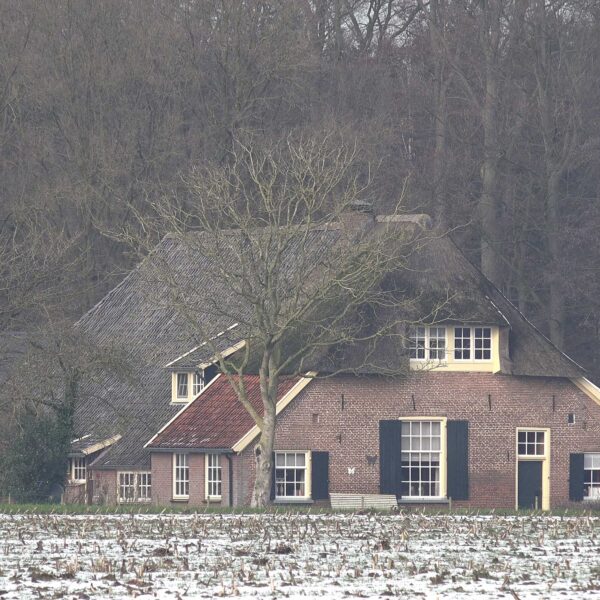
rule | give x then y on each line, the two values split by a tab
390	447
576	477
320	475
458	460
273	477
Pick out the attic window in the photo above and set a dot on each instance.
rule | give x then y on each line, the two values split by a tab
428	343
182	385
198	384
472	343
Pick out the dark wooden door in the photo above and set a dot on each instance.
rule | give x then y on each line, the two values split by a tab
530	484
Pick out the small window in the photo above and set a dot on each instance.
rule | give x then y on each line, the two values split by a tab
531	443
126	487
462	343
421	445
213	475
591	476
78	469
417	343
198	384
144	487
182	385
483	343
181	476
290	474
428	343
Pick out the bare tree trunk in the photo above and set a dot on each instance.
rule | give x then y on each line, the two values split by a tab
488	202
556	315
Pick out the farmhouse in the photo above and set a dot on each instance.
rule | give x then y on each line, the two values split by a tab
472	405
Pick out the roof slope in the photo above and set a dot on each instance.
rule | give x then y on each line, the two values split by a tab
216	418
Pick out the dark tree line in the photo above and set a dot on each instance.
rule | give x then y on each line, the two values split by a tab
484	111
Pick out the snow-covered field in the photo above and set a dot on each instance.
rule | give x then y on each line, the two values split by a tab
298	556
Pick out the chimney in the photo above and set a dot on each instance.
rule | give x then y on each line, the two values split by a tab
359	216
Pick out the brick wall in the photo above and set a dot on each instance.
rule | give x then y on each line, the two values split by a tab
162	480
351	434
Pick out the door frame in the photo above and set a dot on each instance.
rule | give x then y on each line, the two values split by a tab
544	458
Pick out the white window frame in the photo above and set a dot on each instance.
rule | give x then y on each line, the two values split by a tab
213	476
425	339
197	383
136	481
593	458
442	454
307	475
473	339
181	476
78	465
178	396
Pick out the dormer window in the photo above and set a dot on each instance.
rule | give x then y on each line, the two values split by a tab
428	343
182	386
450	346
198	385
186	385
472	343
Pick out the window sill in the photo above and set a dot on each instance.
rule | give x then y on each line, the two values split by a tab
180	499
210	499
293	500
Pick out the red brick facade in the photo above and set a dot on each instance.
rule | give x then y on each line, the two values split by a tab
494	405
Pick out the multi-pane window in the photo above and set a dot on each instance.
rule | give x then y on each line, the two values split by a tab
428	343
421	458
472	343
182	385
78	469
462	343
290	474
144	487
126	487
198	384
591	476
135	486
181	476
531	443
213	475
483	343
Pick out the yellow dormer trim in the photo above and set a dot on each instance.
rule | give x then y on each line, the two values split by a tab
450	364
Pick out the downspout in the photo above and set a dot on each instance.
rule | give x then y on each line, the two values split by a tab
230	470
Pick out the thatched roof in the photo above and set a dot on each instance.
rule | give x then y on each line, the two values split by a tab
139	317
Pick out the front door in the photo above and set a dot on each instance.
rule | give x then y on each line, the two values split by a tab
530	484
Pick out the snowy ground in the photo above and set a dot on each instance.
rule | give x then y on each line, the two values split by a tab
298	556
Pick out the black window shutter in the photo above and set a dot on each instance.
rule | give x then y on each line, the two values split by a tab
320	475
458	460
576	477
390	472
273	476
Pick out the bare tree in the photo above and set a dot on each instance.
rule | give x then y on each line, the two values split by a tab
297	267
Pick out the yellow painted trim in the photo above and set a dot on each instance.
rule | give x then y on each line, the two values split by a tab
443	451
245	440
225	354
462	366
588	388
101	445
545	458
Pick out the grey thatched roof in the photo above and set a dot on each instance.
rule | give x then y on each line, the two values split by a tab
139	317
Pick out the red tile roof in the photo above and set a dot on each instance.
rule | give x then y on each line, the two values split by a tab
216	418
